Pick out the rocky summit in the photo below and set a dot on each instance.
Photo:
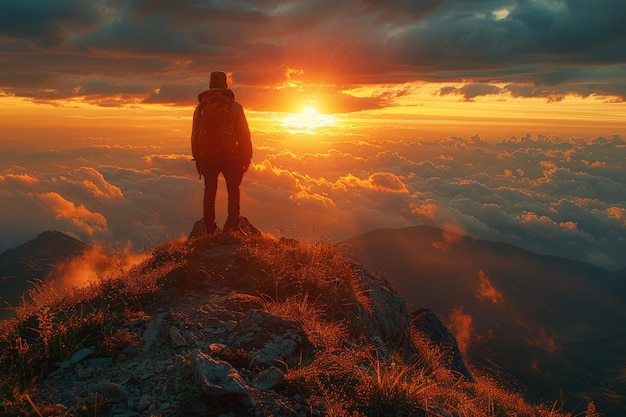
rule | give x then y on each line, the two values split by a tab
241	325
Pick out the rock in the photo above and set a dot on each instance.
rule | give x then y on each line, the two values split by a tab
80	355
268	379
217	378
278	347
112	391
247	227
176	339
84	373
386	323
144	402
150	335
100	362
267	337
198	230
426	322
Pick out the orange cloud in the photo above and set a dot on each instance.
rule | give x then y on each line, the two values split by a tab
93	181
273	176
386	182
303	197
545	342
80	217
449	239
93	266
533	217
487	291
568	225
461	325
427	210
618	213
9	177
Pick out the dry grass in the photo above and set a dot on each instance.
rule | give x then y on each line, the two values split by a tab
53	325
314	285
320	271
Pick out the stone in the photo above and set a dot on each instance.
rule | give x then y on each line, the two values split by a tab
386	321
112	391
80	355
176	339
144	402
426	322
100	362
151	332
217	378
268	379
278	347
84	373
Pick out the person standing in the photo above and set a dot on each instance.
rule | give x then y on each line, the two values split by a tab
220	143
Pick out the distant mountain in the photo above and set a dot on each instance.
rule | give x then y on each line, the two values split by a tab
544	322
33	260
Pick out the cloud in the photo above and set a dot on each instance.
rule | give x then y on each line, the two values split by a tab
93	266
537	192
471	91
96	184
385	182
116	53
11	179
487	291
461	325
78	217
302	197
176	164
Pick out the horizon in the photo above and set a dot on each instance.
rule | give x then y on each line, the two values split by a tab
500	120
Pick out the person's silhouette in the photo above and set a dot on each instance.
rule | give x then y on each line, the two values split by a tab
220	143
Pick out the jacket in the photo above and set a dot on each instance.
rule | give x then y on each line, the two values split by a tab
242	131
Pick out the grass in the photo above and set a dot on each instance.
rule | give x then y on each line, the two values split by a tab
51	326
314	285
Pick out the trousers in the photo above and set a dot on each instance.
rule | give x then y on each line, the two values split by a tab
233	174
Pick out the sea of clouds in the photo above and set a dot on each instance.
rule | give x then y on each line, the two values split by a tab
557	197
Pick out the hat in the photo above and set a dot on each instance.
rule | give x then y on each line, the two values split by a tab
218	81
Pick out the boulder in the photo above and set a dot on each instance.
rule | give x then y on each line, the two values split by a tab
217	378
425	321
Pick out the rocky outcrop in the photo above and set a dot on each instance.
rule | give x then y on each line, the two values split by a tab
199	230
427	322
385	322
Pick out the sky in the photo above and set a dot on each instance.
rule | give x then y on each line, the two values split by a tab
501	119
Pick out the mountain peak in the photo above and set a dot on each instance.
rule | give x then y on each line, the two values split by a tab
250	325
246	325
34	260
49	243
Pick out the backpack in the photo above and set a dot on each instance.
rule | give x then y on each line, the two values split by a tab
216	139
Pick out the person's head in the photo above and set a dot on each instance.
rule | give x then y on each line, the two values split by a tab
218	81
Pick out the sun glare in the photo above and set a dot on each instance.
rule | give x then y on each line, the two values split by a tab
308	120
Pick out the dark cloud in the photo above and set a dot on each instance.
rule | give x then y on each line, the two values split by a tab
536	48
47	24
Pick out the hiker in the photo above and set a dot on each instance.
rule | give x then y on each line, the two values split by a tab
220	143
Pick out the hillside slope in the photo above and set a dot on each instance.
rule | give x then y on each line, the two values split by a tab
33	260
547	323
250	326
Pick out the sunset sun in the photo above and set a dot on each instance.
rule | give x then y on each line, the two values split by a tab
308	120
